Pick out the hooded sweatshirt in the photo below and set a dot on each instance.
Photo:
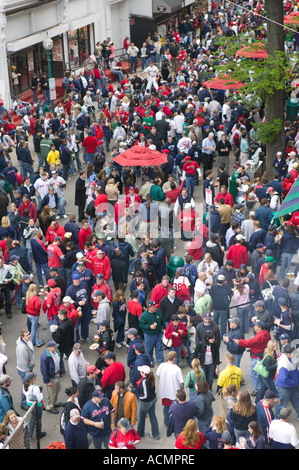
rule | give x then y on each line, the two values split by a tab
25	355
287	373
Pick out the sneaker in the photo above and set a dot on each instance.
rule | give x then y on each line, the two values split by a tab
40	344
118	345
154	437
124	343
57	217
88	339
64	216
42	434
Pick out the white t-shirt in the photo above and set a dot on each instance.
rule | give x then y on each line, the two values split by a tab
283	432
178	283
170	379
42	187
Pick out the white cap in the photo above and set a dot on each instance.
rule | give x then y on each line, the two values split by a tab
67	299
79	255
145	369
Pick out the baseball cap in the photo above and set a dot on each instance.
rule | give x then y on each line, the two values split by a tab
75	413
100	275
51	283
270	259
285	413
52	344
76	276
92	370
77	347
152	303
187	303
109	355
97	394
104	323
67	298
29	376
126	424
260	246
235	320
145	369
270	394
132	331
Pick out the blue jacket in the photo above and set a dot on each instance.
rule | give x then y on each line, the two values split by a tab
39	254
131	357
280	166
78	293
264	216
159	262
24	155
141	360
289	243
257	237
233	347
74	229
47	366
263	419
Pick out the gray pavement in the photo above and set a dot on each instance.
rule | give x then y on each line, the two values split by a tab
11	329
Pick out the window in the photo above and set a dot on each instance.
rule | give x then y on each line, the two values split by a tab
79	47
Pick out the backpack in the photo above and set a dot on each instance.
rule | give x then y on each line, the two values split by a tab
189	275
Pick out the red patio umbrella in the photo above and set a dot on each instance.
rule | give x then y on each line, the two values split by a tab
255	51
140	156
223	83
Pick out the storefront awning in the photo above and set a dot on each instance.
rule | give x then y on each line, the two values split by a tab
166	6
291	202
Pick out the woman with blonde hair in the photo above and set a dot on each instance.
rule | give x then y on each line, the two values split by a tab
214	432
190	437
11	420
6	230
193	376
270	363
241	414
229	395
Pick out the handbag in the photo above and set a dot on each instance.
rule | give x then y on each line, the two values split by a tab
260	368
166	342
23	308
267	293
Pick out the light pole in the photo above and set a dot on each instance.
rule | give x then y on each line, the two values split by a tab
48	46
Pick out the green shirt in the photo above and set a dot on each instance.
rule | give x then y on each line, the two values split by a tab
147	319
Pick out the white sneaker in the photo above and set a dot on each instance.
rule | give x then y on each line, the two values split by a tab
57	217
124	343
118	345
65	216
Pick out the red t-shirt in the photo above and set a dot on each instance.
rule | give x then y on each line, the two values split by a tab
123	441
54	254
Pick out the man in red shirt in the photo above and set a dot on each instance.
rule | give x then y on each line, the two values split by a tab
113	373
190	168
238	253
223	194
133	200
55	255
100	263
160	290
174	192
90	144
54	230
101	284
84	233
52	303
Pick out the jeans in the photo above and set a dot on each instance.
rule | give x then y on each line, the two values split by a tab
98	441
66	169
32	322
54	321
209	371
46	94
255	377
237	359
243	314
154	342
267	384
22	374
178	351
82	321
61	206
39	268
148	407
27	168
68	276
40	160
223	315
134	64
90	157
285	265
287	395
241	433
190	183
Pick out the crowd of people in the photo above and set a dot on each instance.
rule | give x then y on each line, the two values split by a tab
235	289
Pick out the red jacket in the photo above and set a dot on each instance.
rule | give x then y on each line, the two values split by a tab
33	306
83	235
257	344
238	254
176	340
105	288
173	194
72	313
90	143
228	198
113	373
101	266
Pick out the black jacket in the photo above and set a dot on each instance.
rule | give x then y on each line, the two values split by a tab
80	190
169	308
64	336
